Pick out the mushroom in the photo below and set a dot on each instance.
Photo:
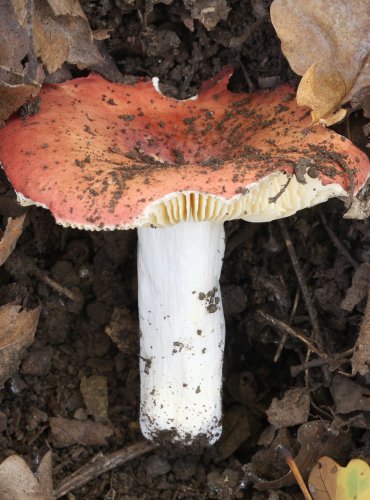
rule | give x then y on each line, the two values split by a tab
106	156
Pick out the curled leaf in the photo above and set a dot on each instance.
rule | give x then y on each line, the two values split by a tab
329	44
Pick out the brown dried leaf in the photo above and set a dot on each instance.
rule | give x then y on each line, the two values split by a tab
329	43
358	289
51	46
316	438
13	97
122	329
18	328
94	391
292	409
361	357
62	33
66	432
349	396
237	429
14	41
17	481
14	46
9	240
66	8
362	100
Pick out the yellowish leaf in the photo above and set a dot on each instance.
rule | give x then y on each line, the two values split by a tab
330	481
322	91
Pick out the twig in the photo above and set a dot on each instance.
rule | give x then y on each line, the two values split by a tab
295	471
285	328
236	41
302	283
62	290
100	464
247	78
314	363
285	335
334	238
18	260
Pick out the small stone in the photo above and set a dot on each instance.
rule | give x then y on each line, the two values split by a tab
17	384
38	361
94	391
185	469
80	414
34	417
156	466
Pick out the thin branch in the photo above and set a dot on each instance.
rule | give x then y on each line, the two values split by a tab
285	335
18	260
302	283
100	464
293	332
334	238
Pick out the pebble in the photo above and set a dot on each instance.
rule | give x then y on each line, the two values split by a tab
156	466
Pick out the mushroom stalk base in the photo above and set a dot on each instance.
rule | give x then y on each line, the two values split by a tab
182	332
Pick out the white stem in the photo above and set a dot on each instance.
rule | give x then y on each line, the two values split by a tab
182	331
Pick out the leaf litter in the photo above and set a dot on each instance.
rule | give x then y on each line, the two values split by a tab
328	480
108	284
329	44
54	32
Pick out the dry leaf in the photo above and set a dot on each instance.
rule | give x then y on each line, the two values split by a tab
361	356
66	8
67	432
62	33
329	43
14	47
359	287
349	396
122	329
237	428
94	391
18	327
55	30
17	482
12	97
9	240
329	481
315	438
14	42
292	409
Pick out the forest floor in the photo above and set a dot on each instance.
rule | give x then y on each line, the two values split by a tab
96	334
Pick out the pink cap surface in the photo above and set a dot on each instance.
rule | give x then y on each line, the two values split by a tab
98	153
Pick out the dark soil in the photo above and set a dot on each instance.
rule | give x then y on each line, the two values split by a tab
155	39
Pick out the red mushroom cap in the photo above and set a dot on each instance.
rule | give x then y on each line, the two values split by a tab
97	154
